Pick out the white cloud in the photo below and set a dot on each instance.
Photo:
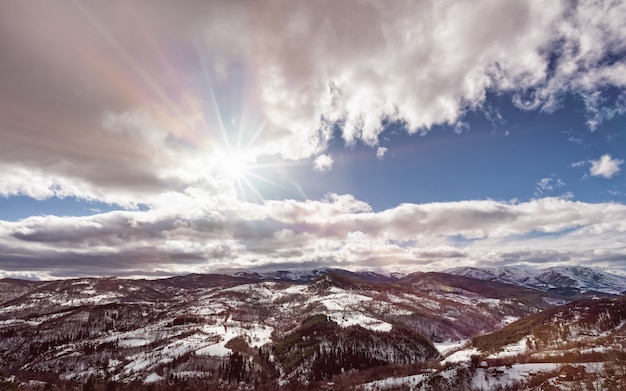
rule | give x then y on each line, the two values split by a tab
380	153
130	124
575	140
201	232
606	166
323	163
548	184
461	127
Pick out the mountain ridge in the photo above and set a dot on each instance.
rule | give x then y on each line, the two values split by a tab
577	279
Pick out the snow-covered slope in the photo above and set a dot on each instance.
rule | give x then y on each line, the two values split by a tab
143	329
584	278
576	278
248	329
576	346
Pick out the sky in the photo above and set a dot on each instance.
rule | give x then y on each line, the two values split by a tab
155	138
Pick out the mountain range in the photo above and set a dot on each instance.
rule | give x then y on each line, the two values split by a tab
574	279
565	280
290	329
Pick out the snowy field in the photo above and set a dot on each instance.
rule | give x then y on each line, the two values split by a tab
483	379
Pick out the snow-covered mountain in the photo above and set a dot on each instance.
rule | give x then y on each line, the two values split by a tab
195	325
565	279
570	280
269	331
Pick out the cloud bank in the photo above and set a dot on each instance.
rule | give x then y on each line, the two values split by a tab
338	231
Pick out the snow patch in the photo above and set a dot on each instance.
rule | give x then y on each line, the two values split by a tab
340	299
347	319
133	342
153	378
507	320
451	346
217	349
394	382
463	355
512	350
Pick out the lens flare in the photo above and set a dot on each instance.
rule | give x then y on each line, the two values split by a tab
235	166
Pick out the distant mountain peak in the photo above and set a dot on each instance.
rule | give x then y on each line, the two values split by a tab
576	278
304	276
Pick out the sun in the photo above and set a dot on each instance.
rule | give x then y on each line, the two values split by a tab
235	166
240	169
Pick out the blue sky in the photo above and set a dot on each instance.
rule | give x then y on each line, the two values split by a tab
151	139
502	161
522	155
